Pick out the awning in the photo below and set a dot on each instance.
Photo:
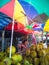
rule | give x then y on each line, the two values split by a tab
4	20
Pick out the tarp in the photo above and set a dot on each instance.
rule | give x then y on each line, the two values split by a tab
18	27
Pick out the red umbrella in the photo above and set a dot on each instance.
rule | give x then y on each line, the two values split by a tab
18	27
25	31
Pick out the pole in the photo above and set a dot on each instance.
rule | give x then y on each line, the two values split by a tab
12	33
42	36
46	38
11	38
3	41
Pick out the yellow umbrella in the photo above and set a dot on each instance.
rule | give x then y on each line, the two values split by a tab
46	27
18	15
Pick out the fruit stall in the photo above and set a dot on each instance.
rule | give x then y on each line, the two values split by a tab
24	32
34	55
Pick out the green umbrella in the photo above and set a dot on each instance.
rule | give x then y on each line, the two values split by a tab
29	27
3	2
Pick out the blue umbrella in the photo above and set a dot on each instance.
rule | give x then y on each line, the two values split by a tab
4	20
30	11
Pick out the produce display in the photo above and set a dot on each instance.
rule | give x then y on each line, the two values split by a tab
35	55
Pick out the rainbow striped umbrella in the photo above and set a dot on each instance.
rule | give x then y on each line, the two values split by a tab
30	8
18	9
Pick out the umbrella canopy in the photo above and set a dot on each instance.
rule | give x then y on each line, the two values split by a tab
46	27
38	27
36	8
40	5
17	7
8	34
4	20
18	27
30	11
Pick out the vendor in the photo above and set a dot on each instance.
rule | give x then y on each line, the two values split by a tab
23	45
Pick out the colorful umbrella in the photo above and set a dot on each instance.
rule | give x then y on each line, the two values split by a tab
4	20
29	9
46	27
17	8
38	27
18	27
40	5
26	6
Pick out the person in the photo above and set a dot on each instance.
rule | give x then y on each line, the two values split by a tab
19	45
24	44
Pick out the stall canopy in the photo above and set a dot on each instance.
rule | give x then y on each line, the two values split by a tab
19	28
4	20
8	34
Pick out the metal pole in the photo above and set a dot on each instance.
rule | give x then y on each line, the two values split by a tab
42	36
11	38
46	38
12	33
3	40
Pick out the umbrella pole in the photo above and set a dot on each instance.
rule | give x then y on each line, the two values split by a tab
46	38
3	40
42	36
11	38
12	32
